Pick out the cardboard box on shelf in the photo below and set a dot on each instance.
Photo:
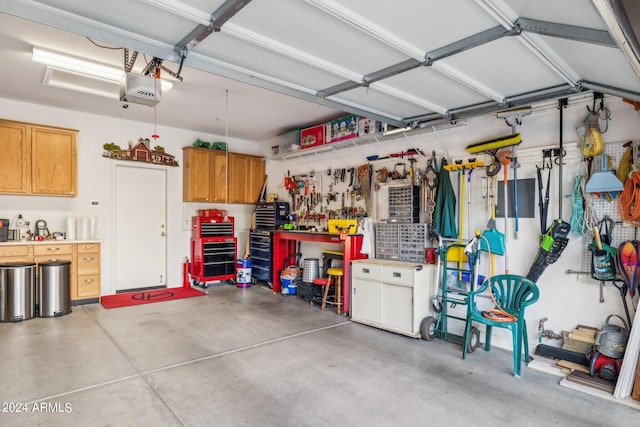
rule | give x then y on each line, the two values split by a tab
368	126
312	137
342	128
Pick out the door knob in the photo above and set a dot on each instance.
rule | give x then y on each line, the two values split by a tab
163	234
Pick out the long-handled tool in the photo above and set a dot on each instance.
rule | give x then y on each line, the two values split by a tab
554	240
514	118
596	235
505	160
515	165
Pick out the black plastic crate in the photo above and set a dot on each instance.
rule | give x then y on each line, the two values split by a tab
310	292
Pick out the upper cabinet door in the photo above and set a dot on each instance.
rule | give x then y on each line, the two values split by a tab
246	176
257	178
54	163
14	158
239	178
196	178
218	172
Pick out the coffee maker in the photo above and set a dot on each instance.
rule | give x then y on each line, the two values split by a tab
41	229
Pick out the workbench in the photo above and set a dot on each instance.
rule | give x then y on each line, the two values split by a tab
284	244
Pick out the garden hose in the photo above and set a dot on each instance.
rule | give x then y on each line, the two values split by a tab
629	200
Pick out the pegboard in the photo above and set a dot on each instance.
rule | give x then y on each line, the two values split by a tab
603	208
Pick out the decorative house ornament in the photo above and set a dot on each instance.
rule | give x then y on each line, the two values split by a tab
140	152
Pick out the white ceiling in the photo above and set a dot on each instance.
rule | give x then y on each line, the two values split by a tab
295	63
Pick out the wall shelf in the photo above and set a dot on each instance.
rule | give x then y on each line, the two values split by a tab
362	141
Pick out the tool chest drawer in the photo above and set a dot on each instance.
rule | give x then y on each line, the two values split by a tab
398	275
365	271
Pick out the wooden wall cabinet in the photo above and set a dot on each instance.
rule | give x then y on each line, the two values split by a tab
84	257
246	176
15	167
38	160
206	173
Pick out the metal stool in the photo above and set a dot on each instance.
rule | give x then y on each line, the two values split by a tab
335	276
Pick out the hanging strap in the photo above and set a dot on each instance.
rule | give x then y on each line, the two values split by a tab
543	203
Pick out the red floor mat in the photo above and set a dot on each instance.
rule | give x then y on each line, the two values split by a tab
146	297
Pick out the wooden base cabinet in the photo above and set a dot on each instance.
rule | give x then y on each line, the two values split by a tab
84	257
392	295
88	269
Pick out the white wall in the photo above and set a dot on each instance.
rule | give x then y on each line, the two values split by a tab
564	300
96	180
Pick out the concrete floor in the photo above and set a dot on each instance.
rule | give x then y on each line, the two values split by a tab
250	357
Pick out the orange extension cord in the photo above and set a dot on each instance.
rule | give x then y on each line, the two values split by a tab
629	200
498	314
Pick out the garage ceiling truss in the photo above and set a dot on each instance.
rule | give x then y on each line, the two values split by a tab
390	93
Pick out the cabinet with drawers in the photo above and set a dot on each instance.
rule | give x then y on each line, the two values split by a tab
88	269
392	295
84	271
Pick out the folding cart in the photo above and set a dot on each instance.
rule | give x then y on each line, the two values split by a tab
457	272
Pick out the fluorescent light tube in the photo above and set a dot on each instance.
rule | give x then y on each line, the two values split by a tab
83	67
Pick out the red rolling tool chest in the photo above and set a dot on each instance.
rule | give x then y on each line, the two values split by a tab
213	248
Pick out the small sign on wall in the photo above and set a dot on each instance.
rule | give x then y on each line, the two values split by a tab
526	199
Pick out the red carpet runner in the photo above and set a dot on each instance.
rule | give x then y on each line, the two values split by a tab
146	297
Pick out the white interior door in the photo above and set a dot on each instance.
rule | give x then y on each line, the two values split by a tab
140	227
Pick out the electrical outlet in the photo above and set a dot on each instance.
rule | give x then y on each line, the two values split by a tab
186	224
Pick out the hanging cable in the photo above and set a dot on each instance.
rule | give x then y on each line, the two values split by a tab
155	135
226	156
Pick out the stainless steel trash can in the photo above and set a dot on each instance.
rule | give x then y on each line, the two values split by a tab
54	288
17	291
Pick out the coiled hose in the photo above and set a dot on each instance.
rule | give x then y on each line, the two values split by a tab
629	200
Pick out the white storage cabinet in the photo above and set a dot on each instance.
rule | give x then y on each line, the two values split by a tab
392	295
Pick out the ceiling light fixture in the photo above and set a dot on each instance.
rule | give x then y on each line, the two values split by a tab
83	68
77	65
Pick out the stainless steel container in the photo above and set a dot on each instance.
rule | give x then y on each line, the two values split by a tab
54	288
17	291
311	269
